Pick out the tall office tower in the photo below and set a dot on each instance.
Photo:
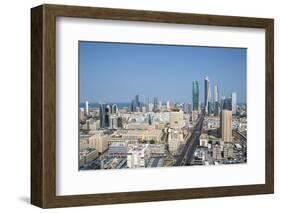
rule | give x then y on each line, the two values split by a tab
102	115
210	108
226	125
195	96
114	109
217	108
147	104
189	108
160	105
107	115
137	101
234	102
222	101
119	122
168	105
184	107
155	104
227	104
216	100
207	95
216	93
87	108
133	106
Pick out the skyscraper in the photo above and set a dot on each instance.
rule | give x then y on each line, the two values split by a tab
168	105
216	93
226	125
216	100
227	104
102	115
155	104
195	96
133	106
114	109
147	104
222	101
137	101
107	115
234	102
207	95
87	108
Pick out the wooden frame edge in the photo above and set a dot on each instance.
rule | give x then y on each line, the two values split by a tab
36	106
43	105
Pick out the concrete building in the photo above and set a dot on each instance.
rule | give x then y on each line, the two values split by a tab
228	151
138	156
87	108
234	103
118	149
157	150
83	142
115	121
135	135
203	140
88	155
216	154
195	115
175	140
81	114
226	125
99	141
176	119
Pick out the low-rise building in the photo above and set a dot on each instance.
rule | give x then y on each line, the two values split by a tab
228	152
138	156
203	140
99	141
88	155
176	119
118	149
137	135
157	150
216	154
84	142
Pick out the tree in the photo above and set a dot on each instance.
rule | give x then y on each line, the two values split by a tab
152	142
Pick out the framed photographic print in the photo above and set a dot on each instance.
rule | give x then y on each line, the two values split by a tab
136	106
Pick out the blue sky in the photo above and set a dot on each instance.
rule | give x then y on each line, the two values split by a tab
116	72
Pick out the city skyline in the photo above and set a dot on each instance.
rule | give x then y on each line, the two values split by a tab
176	88
171	112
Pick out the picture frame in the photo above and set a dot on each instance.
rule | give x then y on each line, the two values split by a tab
43	105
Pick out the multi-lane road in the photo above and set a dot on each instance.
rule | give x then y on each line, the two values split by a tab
187	152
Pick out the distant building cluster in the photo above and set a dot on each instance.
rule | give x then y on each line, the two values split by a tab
155	133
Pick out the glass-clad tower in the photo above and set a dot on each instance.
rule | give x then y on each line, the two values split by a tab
195	96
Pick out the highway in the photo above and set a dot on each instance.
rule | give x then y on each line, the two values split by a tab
186	155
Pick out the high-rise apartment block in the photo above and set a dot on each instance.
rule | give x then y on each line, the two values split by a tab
226	125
